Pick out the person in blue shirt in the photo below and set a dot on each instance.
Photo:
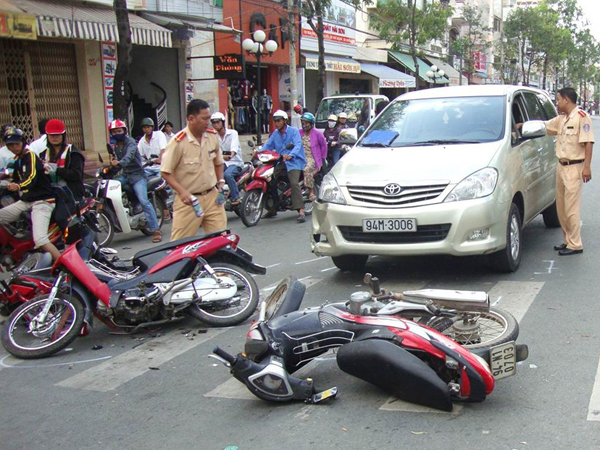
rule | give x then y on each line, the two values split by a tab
294	162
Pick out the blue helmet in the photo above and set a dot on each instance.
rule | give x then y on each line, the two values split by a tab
308	117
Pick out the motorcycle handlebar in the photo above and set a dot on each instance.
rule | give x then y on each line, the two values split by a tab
223	354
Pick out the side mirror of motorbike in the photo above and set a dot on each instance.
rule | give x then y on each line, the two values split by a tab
290	146
251	144
100	158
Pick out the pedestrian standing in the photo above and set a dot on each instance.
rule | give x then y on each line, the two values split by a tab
315	151
574	151
193	166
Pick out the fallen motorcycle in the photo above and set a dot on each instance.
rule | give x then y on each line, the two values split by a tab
410	360
163	284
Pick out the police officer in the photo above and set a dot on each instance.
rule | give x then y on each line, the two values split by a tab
193	166
574	152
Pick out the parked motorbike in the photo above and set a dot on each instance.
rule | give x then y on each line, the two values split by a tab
413	361
257	196
161	285
118	208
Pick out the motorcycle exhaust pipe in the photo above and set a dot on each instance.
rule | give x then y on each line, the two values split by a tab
475	301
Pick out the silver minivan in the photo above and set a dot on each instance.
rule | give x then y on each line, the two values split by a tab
442	171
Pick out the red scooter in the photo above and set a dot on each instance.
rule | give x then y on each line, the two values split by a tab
165	283
258	190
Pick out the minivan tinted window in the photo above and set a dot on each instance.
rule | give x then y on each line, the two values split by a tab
438	121
352	106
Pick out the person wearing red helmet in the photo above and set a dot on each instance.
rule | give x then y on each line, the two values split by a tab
35	189
63	162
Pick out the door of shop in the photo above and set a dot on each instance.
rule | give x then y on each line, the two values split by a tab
38	80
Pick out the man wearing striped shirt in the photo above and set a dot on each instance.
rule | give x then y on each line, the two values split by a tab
35	189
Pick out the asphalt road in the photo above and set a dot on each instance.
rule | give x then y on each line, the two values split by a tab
110	398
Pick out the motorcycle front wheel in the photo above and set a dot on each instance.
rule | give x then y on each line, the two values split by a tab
476	330
234	310
251	207
25	338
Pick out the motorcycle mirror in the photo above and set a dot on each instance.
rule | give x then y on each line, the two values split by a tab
250	143
100	158
289	146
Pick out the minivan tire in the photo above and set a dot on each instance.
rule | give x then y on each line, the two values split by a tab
550	215
350	262
508	260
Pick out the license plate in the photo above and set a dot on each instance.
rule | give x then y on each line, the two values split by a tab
389	225
503	360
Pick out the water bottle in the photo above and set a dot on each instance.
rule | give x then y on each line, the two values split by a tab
220	198
196	205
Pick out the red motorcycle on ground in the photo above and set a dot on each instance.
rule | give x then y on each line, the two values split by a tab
163	284
257	196
374	341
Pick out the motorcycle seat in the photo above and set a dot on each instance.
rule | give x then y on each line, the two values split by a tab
154	182
177	243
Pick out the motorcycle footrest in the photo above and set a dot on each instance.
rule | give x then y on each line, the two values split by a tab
324	395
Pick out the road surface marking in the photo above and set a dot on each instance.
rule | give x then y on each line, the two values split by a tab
515	296
394	404
594	406
18	365
310	260
113	373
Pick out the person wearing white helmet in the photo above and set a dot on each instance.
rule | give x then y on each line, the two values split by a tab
229	142
294	161
342	119
332	136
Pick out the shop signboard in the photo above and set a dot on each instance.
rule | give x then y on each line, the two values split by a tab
18	26
339	35
109	68
228	66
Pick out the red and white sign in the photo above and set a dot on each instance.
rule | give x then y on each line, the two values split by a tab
109	68
334	33
479	61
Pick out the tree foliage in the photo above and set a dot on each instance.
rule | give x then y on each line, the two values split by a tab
472	39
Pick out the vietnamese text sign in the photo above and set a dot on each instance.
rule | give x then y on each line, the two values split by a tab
228	66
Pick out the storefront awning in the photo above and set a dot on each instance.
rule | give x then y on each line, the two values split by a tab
332	63
407	61
172	21
388	77
451	72
81	21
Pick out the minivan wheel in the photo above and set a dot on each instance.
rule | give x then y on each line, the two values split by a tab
350	262
550	215
508	260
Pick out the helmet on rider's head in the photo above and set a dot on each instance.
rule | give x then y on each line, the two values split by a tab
298	108
279	114
117	123
332	117
217	116
12	135
342	115
147	122
308	117
55	126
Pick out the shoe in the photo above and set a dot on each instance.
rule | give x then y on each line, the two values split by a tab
301	218
157	237
235	202
560	247
270	214
569	251
166	215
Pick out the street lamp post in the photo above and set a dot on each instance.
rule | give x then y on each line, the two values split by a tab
255	46
434	73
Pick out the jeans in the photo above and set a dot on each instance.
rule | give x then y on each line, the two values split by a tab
140	188
231	172
335	155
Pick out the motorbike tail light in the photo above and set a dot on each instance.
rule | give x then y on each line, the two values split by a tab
255	335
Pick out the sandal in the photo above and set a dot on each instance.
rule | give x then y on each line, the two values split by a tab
301	218
235	202
157	237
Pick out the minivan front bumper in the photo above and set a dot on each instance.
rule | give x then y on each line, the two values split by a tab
470	227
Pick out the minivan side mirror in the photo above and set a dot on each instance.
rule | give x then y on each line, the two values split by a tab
348	136
533	129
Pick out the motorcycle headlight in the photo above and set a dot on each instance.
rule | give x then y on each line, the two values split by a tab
480	184
330	191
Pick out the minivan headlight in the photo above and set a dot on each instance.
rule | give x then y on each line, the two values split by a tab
480	184
330	191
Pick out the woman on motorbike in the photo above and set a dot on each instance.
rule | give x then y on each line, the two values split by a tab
332	136
315	151
63	162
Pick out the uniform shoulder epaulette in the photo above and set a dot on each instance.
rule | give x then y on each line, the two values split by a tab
581	113
179	136
210	130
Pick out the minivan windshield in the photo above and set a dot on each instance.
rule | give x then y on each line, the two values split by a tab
352	106
437	121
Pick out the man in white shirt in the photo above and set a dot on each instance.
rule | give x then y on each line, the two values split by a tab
229	142
168	131
41	143
6	155
152	142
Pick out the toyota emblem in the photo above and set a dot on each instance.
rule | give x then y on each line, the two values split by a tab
392	189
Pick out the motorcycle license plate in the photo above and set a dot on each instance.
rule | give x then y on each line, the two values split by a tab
503	360
389	225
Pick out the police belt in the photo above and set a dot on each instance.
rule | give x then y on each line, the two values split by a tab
566	162
208	191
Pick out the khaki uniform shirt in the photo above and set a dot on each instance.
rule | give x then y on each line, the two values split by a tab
573	131
192	165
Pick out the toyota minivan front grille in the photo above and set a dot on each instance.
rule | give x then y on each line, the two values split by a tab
401	196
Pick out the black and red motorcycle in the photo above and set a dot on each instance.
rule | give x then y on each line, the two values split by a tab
413	360
163	284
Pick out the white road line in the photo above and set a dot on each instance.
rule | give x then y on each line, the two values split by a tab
273	265
594	406
515	296
113	373
328	269
394	404
309	260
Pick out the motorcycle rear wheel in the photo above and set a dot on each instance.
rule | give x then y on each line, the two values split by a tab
107	230
61	327
251	207
481	329
234	310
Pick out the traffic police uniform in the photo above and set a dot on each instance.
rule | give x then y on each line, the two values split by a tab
573	132
193	166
